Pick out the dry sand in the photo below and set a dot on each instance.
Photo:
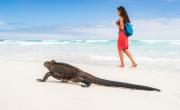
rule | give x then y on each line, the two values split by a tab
20	91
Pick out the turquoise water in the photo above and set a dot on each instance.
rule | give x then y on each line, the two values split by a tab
150	55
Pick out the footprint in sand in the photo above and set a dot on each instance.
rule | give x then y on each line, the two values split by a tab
176	95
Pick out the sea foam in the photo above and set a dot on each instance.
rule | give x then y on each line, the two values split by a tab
151	55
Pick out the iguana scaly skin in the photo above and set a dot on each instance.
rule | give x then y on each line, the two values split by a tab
66	72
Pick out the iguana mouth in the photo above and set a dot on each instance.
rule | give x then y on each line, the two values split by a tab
46	64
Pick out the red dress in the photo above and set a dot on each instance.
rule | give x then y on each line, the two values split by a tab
122	42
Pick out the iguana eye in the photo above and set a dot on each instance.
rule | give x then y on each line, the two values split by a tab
53	61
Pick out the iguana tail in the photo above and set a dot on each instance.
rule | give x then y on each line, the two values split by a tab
104	82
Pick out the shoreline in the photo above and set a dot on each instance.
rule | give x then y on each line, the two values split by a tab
128	67
20	90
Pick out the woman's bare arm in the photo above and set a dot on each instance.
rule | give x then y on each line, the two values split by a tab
121	26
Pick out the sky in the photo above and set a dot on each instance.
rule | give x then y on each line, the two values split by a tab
87	19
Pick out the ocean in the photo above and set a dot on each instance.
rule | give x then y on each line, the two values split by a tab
150	55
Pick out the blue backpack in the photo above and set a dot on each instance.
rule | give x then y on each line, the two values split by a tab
129	30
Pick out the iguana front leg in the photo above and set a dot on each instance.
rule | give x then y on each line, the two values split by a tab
45	77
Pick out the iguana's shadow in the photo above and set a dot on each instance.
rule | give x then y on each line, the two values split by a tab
70	82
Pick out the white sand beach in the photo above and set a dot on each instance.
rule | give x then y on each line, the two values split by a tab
21	91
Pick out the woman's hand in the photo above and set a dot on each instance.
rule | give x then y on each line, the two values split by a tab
117	23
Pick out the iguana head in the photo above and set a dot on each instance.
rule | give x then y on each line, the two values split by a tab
48	64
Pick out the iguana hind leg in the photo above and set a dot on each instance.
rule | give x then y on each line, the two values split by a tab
46	76
86	82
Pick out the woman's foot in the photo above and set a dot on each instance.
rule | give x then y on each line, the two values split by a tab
121	66
134	65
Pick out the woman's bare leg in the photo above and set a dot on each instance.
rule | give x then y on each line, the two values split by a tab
121	57
130	56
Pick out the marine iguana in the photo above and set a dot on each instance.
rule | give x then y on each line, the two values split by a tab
66	72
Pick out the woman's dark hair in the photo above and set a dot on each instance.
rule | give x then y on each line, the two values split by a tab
123	14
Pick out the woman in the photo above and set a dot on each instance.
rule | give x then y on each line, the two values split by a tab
122	42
